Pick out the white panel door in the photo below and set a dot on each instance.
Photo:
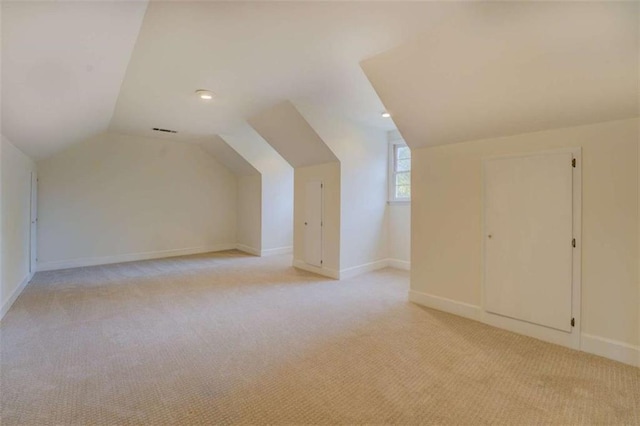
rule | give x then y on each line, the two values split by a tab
34	223
313	224
528	241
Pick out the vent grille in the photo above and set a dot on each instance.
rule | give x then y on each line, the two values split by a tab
157	129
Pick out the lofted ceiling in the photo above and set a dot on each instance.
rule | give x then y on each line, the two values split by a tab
62	67
228	156
497	69
73	69
448	71
290	134
250	145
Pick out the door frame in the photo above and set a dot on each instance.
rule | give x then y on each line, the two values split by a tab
321	183
572	339
33	223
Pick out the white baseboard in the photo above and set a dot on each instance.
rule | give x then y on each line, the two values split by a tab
608	348
132	257
569	340
447	305
277	251
331	273
612	349
266	252
399	264
9	302
353	271
247	249
361	269
476	313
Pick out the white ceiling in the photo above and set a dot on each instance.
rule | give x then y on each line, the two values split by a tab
228	156
73	69
62	67
254	55
289	133
250	145
498	69
63	64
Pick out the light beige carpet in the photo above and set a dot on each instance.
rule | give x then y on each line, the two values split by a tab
228	338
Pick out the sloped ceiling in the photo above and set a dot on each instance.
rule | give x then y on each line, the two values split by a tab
497	69
248	143
226	155
479	70
62	67
255	54
288	132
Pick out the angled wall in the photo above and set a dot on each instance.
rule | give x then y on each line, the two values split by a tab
287	131
77	53
507	68
276	189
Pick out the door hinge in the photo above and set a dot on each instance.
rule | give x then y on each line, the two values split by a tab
322	185
573	242
573	162
573	322
321	223
321	262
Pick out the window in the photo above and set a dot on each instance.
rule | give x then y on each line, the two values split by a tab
399	172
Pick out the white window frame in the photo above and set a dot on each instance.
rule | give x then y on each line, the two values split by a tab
393	147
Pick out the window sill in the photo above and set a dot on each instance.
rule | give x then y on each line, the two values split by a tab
398	202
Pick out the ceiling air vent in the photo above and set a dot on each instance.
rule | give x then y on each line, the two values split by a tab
157	129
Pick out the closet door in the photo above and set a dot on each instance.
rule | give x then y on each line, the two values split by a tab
528	213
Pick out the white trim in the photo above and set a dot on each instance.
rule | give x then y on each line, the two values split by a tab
536	331
249	250
364	268
399	264
596	345
7	305
572	339
347	273
446	305
277	251
326	272
105	260
612	349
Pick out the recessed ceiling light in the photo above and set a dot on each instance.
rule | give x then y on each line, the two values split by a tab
386	115
204	94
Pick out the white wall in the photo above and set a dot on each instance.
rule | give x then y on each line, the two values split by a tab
399	222
116	197
329	174
399	217
249	225
277	188
446	225
363	154
16	208
277	211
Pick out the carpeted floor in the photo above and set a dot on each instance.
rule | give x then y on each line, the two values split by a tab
227	338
